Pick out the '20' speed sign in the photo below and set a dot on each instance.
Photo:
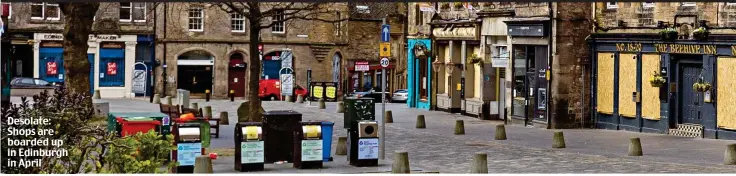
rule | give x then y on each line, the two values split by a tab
384	62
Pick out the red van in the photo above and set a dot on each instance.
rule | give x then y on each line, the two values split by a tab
270	89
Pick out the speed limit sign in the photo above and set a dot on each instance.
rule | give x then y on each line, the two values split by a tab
384	62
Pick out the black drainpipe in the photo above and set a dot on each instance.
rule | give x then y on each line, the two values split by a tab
163	76
553	21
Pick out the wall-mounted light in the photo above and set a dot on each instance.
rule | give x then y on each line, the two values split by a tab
437	64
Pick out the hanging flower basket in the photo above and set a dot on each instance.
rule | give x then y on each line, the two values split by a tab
657	80
700	33
458	6
474	59
701	86
668	34
445	6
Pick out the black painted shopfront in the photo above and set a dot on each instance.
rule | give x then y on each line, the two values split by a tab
626	98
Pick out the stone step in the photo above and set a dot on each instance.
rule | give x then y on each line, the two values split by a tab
688	130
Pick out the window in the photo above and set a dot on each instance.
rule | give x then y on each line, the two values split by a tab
647	4
419	15
687	4
10	9
278	21
612	5
728	4
45	11
338	25
132	11
196	19
237	22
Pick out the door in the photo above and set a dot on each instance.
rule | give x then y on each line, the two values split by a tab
689	110
236	75
196	79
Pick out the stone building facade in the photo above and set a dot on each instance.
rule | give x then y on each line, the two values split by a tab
652	62
120	48
202	48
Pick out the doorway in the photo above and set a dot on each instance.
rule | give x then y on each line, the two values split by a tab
236	75
530	84
194	69
689	104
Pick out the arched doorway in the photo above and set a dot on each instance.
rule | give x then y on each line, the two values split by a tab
194	71
236	74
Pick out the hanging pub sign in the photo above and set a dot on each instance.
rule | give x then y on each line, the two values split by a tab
112	68
51	68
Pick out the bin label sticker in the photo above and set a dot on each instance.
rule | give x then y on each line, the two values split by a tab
368	148
311	150
251	152
312	131
251	132
187	152
165	120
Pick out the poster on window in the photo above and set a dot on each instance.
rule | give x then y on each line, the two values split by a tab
112	68
51	68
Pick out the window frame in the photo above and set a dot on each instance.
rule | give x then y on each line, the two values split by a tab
611	5
131	8
201	19
338	25
282	14
232	19
648	4
688	4
44	16
730	3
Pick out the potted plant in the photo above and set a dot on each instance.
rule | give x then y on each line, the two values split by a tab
445	6
458	5
701	86
657	80
668	34
700	33
474	59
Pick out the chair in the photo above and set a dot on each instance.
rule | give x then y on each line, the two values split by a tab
214	123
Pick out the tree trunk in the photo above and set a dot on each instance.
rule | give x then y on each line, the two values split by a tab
78	19
255	115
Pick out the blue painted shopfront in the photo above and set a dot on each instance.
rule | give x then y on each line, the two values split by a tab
145	52
415	81
51	64
112	67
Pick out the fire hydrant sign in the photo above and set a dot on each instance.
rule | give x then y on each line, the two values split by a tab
186	153
51	68
251	152
368	148
311	150
112	68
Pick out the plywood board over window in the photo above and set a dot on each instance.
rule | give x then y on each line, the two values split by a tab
650	105
605	83
726	96
626	85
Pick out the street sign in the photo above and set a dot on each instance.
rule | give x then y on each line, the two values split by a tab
384	62
385	33
362	66
286	59
385	49
287	84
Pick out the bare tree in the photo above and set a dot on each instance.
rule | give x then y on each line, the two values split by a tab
259	17
78	18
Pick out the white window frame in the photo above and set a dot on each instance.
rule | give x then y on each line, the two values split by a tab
612	5
648	4
283	23
43	11
232	18
201	18
338	25
688	4
10	9
131	8
730	3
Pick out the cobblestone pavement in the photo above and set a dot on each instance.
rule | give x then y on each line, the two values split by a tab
526	151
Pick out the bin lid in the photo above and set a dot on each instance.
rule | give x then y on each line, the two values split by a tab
139	119
126	115
328	123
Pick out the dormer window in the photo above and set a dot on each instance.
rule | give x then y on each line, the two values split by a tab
612	5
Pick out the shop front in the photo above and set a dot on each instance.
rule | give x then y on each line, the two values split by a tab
111	57
365	76
458	46
649	85
420	74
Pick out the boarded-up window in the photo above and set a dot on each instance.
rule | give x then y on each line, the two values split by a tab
626	85
605	83
726	114
650	105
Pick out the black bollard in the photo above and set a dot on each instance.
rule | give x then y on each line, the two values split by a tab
207	95
232	95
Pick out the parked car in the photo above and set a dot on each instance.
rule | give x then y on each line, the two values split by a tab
400	95
371	94
22	82
270	89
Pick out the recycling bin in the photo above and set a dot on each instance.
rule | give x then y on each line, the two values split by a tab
188	141
249	155
327	140
308	146
363	144
131	126
163	129
278	129
357	109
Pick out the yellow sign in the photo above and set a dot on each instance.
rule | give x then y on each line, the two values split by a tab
317	91
331	92
251	132
385	49
686	49
311	131
631	47
459	87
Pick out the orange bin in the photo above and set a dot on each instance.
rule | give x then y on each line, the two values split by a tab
131	126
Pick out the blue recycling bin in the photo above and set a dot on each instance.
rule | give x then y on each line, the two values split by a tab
327	141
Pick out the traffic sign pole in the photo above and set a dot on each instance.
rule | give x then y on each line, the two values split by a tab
382	145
